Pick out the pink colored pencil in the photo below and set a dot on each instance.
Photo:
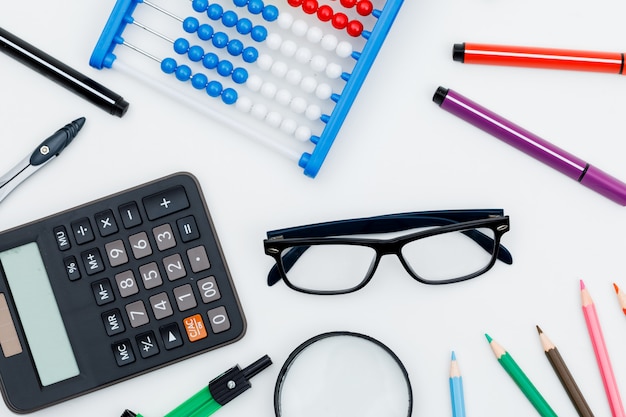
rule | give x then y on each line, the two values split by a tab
602	355
621	297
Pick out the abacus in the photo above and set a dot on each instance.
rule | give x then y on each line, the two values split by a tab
287	78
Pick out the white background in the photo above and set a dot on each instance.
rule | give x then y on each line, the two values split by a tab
397	152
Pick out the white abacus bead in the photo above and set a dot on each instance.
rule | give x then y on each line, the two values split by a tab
303	133
268	90
298	105
308	84
274	41
299	27
333	71
293	76
279	69
274	119
285	20
288	126
319	63
313	112
303	55
314	34
329	42
283	97
289	48
265	61
254	82
323	91
344	49
244	104
259	111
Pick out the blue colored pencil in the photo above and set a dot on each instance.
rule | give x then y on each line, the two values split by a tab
456	389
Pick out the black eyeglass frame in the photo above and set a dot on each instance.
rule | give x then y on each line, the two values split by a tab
299	239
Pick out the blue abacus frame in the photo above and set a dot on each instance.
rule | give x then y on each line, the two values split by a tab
103	57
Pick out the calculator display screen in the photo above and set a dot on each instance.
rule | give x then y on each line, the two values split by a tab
47	338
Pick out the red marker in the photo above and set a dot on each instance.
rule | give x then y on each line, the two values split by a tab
547	58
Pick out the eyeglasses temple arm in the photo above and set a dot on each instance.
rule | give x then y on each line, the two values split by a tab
288	260
487	244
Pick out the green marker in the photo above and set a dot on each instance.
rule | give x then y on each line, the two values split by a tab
220	391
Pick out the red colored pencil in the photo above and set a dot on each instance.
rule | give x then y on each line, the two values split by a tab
621	297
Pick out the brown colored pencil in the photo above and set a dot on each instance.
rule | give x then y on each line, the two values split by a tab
566	378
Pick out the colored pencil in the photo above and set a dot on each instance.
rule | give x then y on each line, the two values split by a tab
565	376
621	297
600	350
456	389
520	378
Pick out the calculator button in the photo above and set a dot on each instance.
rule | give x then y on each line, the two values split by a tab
116	253
106	223
166	202
92	260
71	268
184	297
208	290
171	336
174	267
161	306
147	345
103	292
113	322
150	275
198	259
126	283
82	231
137	314
140	245
130	215
63	243
219	319
123	352
164	237
188	229
194	326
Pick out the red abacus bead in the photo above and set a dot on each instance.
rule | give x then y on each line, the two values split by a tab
364	7
309	6
340	21
348	3
325	13
355	28
295	3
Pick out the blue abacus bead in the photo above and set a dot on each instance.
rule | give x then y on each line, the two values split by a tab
214	88
205	32
225	68
235	47
215	11
250	54
183	73
190	24
270	13
168	65
259	33
200	5
220	40
210	60
240	75
240	3
181	45
229	96
196	53
244	26
199	81
255	6
229	18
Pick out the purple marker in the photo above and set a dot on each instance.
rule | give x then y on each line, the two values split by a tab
531	144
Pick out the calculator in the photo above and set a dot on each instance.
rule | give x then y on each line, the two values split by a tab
112	289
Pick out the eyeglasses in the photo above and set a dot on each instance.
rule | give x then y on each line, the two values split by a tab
452	246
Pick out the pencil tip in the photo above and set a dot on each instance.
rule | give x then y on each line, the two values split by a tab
453	357
489	339
616	288
582	285
539	330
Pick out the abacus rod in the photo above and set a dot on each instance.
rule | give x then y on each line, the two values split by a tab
141	51
154	32
170	14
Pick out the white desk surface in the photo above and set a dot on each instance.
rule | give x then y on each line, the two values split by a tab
397	152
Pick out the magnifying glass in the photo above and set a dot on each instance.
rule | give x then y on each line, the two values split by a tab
343	374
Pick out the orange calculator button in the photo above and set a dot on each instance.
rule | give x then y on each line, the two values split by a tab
195	328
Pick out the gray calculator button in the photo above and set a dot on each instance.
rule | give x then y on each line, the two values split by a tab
140	245
82	231
113	322
184	297
137	314
150	275
166	202
123	352
174	267
116	253
164	237
198	259
161	306
126	283
219	320
106	223
208	290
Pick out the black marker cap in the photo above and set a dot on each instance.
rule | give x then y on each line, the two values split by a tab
440	95
458	52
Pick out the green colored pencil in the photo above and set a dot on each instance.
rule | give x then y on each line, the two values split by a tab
520	378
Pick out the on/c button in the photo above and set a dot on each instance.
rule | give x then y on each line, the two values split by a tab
195	328
8	335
